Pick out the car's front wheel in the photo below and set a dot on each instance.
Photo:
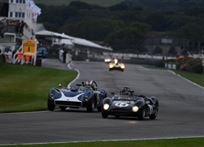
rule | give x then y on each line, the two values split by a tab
62	108
104	115
51	105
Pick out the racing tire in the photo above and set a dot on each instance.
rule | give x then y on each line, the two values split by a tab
62	108
99	109
154	116
117	116
142	114
51	105
90	107
104	115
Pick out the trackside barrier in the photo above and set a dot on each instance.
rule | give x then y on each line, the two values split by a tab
170	66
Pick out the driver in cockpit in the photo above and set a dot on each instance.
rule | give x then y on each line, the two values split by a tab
91	84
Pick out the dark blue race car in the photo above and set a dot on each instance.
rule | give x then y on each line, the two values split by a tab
84	94
128	104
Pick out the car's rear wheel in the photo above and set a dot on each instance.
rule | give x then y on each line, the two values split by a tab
51	105
117	116
104	115
62	108
154	116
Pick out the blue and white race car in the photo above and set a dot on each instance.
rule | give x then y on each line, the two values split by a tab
84	94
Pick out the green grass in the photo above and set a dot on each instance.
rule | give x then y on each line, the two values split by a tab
25	88
196	142
103	3
197	78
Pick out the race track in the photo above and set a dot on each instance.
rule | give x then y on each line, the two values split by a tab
180	115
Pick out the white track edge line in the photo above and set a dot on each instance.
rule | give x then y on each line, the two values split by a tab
107	140
77	77
34	112
189	81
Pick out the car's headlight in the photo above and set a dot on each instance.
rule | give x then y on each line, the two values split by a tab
106	106
122	66
107	60
111	65
135	108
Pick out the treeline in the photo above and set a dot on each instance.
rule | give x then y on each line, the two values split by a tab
125	26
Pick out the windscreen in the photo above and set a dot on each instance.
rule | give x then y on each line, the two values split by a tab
69	93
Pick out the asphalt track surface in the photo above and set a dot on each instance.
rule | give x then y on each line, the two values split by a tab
181	111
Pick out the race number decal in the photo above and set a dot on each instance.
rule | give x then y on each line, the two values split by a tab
121	104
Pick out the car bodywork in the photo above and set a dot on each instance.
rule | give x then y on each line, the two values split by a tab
128	104
85	95
116	65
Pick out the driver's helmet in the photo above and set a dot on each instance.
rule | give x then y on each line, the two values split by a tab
73	88
125	91
87	83
116	61
91	82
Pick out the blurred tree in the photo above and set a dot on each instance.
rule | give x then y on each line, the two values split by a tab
158	51
172	51
127	40
182	19
96	30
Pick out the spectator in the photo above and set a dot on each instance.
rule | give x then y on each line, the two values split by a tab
19	56
27	59
8	55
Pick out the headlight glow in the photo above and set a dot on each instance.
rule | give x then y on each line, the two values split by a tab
106	106
122	66
107	60
135	109
111	65
115	61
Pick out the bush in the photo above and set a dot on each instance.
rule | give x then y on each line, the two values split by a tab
191	65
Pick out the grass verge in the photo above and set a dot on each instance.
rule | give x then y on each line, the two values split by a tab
191	142
196	78
25	88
